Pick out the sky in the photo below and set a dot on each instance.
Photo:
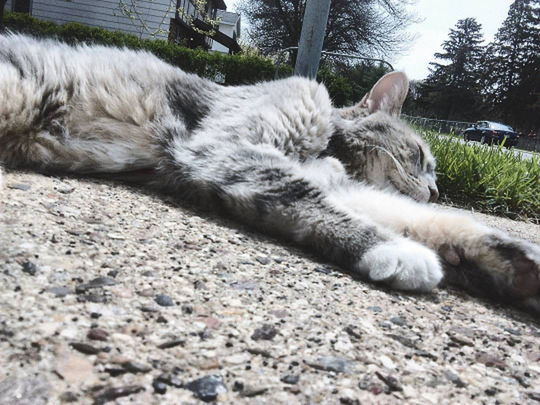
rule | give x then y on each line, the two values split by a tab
438	17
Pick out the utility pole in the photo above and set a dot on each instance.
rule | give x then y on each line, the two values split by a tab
311	38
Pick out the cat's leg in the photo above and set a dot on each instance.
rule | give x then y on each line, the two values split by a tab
258	185
476	257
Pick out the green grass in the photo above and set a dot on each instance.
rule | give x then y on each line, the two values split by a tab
492	180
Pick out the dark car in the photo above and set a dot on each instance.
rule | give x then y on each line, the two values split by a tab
491	132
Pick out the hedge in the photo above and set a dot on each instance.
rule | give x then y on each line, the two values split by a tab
233	69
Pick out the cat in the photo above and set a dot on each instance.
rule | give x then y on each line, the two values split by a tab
355	185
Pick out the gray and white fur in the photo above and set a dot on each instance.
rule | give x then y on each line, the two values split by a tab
352	185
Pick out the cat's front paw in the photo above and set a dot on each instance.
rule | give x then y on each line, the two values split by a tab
403	264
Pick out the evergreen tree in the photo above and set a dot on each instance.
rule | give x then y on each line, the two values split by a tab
512	67
453	90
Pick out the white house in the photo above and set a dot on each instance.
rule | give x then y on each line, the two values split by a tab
229	24
144	18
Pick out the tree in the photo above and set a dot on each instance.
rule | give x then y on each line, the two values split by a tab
361	27
453	89
2	4
512	74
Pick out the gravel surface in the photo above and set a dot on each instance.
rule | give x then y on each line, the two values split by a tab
109	294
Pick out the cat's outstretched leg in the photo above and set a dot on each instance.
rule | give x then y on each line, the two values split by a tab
258	185
480	259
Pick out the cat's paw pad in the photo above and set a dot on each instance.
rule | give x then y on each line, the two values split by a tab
403	264
520	260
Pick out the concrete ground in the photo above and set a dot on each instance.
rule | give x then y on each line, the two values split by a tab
109	294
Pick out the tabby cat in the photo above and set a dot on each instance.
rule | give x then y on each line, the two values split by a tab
352	184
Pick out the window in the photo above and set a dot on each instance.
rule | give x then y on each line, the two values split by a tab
22	6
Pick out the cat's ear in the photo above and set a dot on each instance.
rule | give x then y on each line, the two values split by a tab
387	95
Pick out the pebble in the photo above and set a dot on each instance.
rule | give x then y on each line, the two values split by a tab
164	300
134	367
97	334
207	388
85	348
171	380
248	285
95	283
265	332
29	268
59	292
263	260
111	393
250	392
330	363
454	379
290	379
392	382
159	387
398	320
171	343
19	186
375	309
491	360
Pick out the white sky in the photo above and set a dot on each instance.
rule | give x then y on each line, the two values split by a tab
438	17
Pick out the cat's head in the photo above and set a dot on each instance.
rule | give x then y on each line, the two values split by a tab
377	147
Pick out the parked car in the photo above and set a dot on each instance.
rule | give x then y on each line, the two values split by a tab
491	132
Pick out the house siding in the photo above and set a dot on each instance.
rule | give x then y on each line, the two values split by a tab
106	14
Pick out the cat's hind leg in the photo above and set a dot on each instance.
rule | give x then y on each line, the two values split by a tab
261	187
482	260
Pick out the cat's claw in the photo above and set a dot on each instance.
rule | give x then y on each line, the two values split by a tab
404	265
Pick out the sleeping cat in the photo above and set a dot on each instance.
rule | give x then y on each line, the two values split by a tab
351	184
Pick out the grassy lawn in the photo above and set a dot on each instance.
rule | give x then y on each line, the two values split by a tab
492	180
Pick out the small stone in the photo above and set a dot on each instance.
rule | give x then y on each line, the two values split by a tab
187	309
446	308
29	268
19	186
66	190
351	331
68	396
392	382
111	393
171	380
113	273
263	260
248	285
59	292
398	320
404	340
97	334
164	300
85	348
249	392
238	386
349	401
200	285
454	379
145	308
491	392
535	396
322	270
266	332
290	379
490	360
330	363
95	283
375	309
171	343
159	387
514	332
207	388
134	367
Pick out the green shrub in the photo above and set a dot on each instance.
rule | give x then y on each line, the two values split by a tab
233	69
492	180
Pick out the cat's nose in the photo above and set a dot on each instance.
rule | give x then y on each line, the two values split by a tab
433	194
